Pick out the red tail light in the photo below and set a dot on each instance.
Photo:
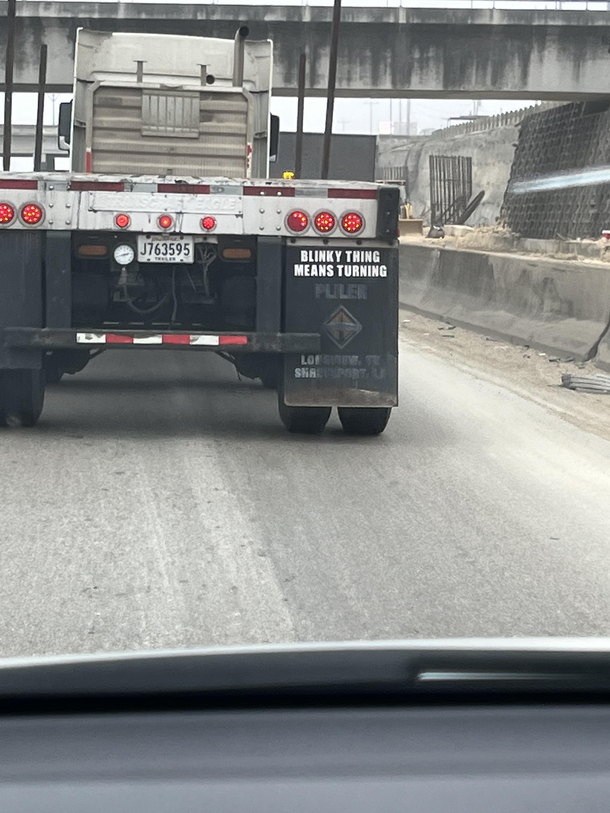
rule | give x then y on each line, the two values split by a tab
324	222
122	221
352	223
297	221
208	223
31	214
7	213
165	221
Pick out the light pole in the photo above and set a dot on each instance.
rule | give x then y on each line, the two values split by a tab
332	80
371	102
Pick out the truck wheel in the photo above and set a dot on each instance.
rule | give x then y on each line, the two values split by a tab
21	396
303	420
364	420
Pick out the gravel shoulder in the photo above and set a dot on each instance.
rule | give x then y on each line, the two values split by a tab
521	369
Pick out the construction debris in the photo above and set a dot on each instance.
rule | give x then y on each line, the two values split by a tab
599	384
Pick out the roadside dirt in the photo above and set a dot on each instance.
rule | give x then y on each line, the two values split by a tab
523	370
498	241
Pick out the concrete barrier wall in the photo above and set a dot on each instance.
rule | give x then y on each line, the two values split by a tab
559	307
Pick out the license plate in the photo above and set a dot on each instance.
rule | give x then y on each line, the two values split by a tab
165	248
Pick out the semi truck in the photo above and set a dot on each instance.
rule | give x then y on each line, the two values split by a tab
167	234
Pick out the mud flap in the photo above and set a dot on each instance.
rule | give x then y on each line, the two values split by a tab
349	294
21	303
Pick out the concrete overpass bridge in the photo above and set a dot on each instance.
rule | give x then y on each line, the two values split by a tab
384	52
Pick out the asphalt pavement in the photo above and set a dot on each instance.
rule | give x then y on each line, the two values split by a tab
160	503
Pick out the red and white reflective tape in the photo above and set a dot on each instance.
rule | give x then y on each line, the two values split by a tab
184	188
193	339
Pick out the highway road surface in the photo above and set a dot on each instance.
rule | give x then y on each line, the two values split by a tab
160	503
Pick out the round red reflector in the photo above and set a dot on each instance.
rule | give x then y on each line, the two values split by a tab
122	221
7	213
31	214
165	221
324	222
352	222
208	223
297	221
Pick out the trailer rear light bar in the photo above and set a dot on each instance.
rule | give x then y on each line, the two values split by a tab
142	204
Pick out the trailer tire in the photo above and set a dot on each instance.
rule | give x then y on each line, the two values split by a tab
21	396
364	420
302	420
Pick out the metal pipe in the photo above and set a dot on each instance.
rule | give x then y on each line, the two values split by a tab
8	85
238	56
298	157
42	81
332	81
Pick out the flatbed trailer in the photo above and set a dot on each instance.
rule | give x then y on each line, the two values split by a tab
295	283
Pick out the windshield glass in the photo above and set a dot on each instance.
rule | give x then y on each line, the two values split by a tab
304	323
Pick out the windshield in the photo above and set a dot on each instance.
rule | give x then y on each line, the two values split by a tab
304	323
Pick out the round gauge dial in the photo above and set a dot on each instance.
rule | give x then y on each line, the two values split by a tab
124	255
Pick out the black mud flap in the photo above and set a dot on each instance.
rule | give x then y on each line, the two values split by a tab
21	287
350	295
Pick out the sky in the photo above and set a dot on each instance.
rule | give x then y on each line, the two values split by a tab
364	116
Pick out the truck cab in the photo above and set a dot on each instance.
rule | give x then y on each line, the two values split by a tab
164	105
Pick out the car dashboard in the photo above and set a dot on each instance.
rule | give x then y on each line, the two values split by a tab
302	729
